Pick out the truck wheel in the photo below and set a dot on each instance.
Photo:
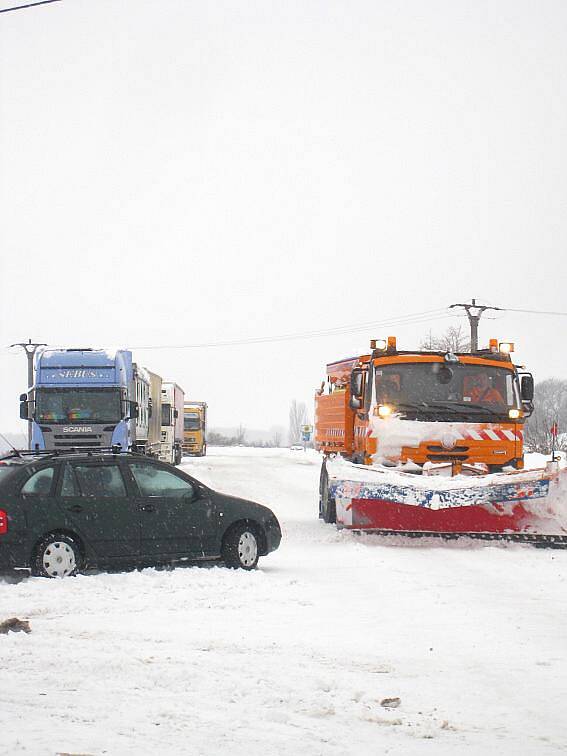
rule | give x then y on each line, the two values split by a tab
56	555
240	547
327	506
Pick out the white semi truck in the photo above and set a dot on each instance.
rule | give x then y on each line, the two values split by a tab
172	399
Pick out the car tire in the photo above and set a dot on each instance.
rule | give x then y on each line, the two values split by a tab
327	506
57	555
241	547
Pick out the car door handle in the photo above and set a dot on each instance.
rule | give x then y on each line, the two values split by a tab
75	508
147	508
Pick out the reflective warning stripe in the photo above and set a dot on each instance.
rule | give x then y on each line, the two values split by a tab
493	434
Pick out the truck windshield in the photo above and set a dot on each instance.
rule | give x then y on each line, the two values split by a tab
439	385
77	405
191	421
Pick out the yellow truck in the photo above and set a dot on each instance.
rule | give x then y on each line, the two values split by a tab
194	428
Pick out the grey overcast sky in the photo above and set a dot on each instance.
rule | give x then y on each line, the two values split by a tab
176	172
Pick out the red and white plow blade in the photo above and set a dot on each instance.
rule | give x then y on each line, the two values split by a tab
533	502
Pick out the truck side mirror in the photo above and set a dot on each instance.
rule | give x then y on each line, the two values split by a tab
175	413
527	388
24	407
150	408
133	410
356	383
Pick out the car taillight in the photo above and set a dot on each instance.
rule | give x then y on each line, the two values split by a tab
3	522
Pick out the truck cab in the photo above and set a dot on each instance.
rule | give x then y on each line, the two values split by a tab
194	428
393	407
172	399
83	398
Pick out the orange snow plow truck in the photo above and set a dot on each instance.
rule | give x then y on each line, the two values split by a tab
395	407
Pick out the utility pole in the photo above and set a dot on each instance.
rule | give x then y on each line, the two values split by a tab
474	312
30	349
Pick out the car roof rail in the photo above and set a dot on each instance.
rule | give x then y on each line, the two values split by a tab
71	450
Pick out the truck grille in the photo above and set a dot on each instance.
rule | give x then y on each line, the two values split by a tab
70	440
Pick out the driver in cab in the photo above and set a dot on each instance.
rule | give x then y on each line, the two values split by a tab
481	390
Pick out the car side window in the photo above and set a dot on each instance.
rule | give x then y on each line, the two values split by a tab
153	481
69	484
99	480
39	483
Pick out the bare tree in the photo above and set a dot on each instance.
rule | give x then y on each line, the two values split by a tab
297	418
452	340
276	439
550	406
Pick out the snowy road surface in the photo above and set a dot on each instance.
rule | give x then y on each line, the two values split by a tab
296	656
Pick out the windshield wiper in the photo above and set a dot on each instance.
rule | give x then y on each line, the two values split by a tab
411	405
451	406
477	408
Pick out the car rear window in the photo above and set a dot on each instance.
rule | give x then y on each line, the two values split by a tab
7	470
99	480
39	483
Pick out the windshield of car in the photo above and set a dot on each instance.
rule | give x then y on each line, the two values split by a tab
436	385
76	405
191	421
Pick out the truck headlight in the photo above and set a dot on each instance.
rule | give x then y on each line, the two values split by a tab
384	410
514	414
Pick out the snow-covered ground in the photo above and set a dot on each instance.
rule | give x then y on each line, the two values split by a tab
296	656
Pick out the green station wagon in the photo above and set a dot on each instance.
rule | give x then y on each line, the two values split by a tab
64	512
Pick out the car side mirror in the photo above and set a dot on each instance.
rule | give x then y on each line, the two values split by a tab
527	388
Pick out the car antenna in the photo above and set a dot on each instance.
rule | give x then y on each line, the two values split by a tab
3	437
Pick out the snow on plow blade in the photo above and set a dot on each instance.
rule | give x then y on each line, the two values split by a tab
521	506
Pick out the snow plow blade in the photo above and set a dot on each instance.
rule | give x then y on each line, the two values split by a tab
528	506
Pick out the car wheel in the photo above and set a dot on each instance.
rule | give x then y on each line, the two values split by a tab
240	547
57	555
327	506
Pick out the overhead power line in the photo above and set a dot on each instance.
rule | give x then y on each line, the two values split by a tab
533	312
28	5
414	318
410	319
